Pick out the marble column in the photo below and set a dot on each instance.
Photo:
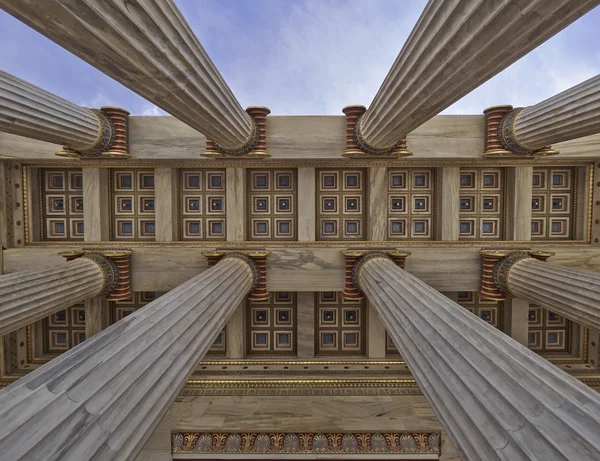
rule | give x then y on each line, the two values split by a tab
496	399
574	113
102	399
150	48
456	46
28	296
572	293
27	110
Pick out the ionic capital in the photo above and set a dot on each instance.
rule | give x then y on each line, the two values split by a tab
112	140
358	147
355	261
256	261
254	147
115	265
495	270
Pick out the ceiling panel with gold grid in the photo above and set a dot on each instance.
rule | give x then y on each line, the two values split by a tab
61	204
271	325
340	325
548	332
411	204
202	204
272	205
64	329
482	203
132	202
553	203
489	311
341	204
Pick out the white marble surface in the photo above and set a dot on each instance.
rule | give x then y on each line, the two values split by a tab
162	268
153	52
235	333
516	319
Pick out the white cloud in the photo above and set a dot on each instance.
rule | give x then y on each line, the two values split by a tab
151	109
315	57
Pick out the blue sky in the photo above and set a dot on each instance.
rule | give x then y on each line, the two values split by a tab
305	57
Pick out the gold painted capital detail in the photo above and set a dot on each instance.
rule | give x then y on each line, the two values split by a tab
109	269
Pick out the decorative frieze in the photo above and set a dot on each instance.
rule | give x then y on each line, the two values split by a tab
288	444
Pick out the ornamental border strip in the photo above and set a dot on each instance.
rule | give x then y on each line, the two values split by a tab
307	443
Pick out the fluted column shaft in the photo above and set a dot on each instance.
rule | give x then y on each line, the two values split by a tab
102	399
496	399
147	46
574	113
27	110
28	296
572	293
456	46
